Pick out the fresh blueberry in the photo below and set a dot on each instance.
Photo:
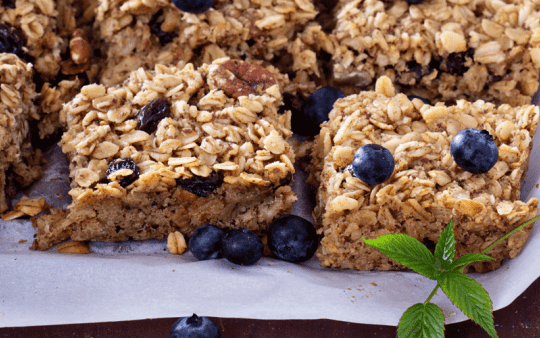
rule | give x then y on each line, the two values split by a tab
373	164
412	2
205	243
292	238
241	246
316	110
195	327
193	6
474	150
411	97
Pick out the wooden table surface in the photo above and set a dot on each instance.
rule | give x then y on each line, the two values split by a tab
519	319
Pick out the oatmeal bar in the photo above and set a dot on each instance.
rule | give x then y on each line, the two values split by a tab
19	165
427	188
46	33
173	149
135	33
441	50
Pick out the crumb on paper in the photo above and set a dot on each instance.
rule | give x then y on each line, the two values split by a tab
374	284
176	243
26	207
73	247
22	241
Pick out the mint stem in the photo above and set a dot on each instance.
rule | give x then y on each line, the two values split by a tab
509	234
432	293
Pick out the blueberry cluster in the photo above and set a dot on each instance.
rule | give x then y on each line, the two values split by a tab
290	238
239	246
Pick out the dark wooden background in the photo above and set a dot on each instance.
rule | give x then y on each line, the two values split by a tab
519	319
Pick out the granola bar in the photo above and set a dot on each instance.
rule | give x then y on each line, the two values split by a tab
283	34
173	149
441	50
19	165
427	188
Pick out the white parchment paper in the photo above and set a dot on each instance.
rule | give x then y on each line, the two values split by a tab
140	280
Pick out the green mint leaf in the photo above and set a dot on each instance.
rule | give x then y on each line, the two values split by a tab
469	258
422	321
470	297
446	247
408	251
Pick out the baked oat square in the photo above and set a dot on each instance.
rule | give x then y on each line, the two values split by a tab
427	188
441	50
19	164
173	149
282	34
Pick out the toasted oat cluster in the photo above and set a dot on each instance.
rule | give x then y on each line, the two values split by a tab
135	33
427	188
173	149
18	165
441	50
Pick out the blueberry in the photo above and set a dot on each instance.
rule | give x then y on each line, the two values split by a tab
195	327
474	150
205	243
411	97
193	6
201	186
316	109
292	238
241	246
373	164
124	163
412	2
151	114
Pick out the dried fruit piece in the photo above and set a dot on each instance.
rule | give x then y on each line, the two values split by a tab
121	164
201	186
151	114
238	78
155	28
11	39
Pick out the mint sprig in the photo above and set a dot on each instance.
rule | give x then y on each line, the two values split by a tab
426	319
422	320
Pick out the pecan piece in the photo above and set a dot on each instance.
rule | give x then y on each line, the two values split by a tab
239	78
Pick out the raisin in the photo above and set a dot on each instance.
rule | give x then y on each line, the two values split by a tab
155	28
151	114
9	3
11	39
201	186
124	163
455	62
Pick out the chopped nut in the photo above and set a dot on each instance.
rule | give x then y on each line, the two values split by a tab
73	247
176	243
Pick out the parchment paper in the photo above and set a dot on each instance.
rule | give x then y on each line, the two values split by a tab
139	280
